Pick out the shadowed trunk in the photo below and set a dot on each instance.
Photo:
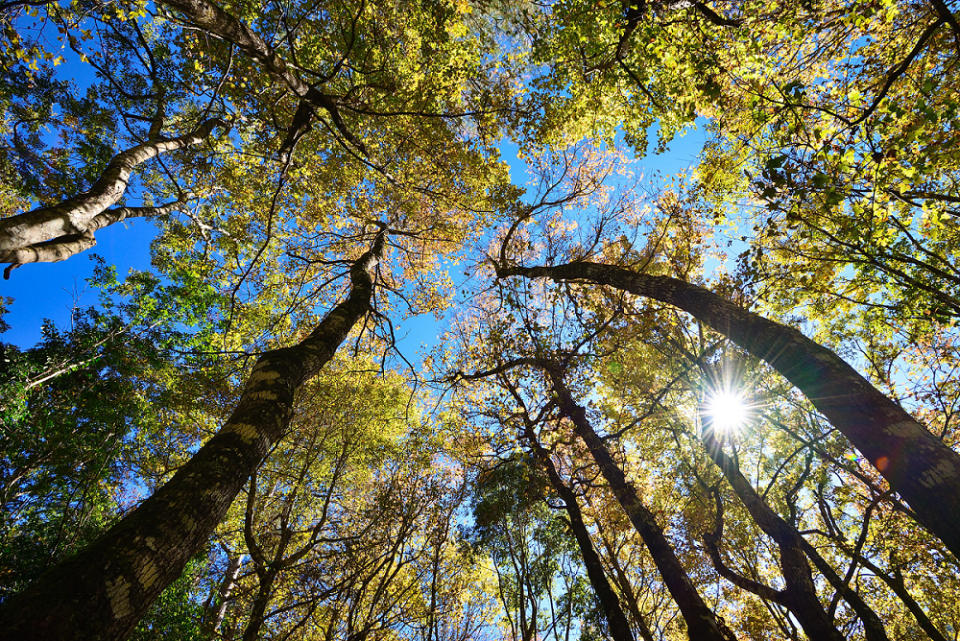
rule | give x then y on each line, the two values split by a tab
258	610
102	592
799	595
924	471
626	589
702	624
49	234
898	586
619	628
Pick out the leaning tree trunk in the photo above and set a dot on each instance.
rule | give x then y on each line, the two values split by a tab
258	611
616	620
924	471
213	617
626	589
702	623
800	595
54	233
102	592
898	587
63	247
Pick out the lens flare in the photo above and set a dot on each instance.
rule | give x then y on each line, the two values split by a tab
727	411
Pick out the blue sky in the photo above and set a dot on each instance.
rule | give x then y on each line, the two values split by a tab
51	290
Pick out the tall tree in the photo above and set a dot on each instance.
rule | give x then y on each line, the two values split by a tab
918	465
104	590
799	594
618	626
700	620
702	623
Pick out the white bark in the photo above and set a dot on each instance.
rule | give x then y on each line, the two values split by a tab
59	231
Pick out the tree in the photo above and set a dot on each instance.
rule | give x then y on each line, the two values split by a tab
62	462
343	73
123	571
701	621
297	492
618	626
799	594
919	466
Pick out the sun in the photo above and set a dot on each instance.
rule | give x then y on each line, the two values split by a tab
727	411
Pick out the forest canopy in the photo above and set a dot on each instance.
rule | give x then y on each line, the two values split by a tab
440	341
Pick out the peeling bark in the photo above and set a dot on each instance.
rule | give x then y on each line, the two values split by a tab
102	592
921	468
29	237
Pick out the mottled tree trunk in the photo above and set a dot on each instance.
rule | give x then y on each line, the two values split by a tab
921	468
617	623
49	234
702	623
102	592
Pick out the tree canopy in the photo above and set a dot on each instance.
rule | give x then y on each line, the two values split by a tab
711	403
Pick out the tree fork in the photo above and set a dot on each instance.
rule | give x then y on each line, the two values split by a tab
899	588
800	592
63	247
211	17
924	471
103	591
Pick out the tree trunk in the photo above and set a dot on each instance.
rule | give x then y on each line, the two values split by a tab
924	471
224	593
259	608
626	589
616	620
210	17
102	592
800	595
62	230
702	623
898	587
63	247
